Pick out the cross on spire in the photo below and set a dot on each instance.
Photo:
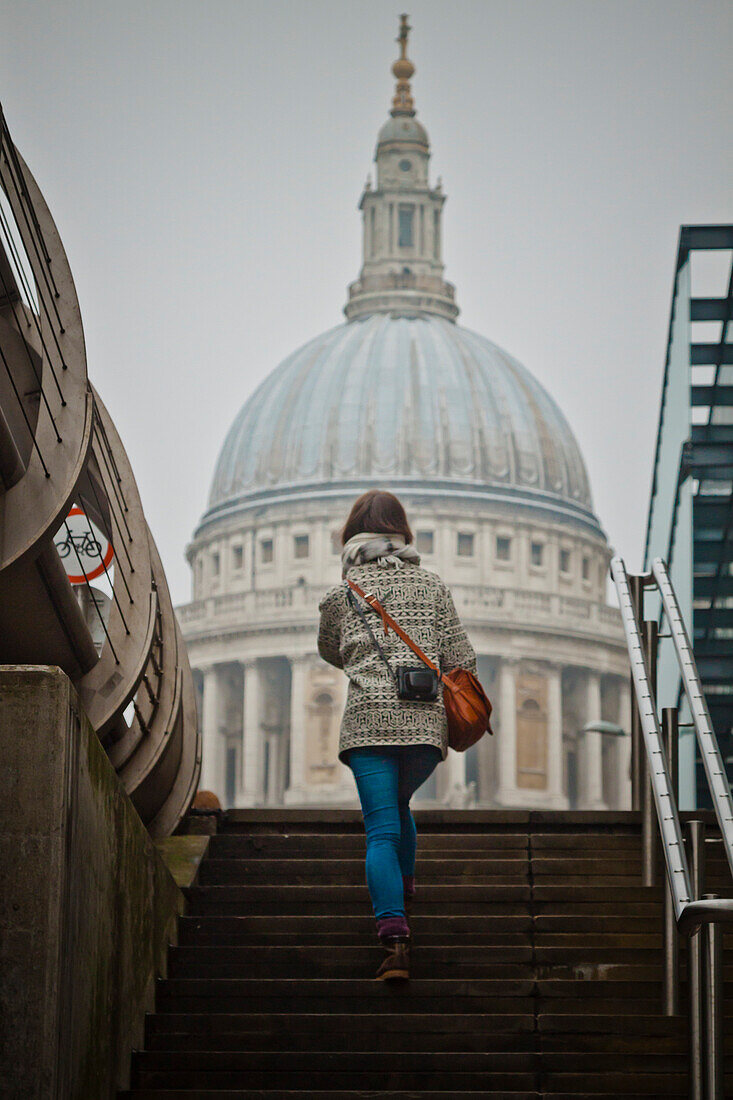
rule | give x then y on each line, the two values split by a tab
403	69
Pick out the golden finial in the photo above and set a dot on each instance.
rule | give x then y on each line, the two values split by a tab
403	69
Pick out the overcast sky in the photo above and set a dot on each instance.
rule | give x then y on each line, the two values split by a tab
203	162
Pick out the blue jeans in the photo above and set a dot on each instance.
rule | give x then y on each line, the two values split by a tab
386	777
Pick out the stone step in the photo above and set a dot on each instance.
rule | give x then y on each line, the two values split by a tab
375	1026
621	942
368	1062
569	893
288	845
363	1061
358	1083
350	871
631	900
427	932
599	865
354	930
574	842
648	922
319	899
621	1083
349	962
339	995
349	1043
297	819
569	990
324	1094
344	994
439	961
496	844
268	1084
552	1095
615	1084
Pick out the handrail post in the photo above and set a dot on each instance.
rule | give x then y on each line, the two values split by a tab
712	990
636	589
694	966
650	641
671	1006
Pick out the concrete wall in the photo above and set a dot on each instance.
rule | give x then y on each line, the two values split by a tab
87	906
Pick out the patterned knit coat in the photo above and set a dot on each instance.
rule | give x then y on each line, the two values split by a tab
422	605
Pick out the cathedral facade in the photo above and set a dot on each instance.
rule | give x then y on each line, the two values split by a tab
401	397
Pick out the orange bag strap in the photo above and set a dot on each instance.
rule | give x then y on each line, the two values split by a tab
388	621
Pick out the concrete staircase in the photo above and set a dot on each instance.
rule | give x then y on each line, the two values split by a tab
536	966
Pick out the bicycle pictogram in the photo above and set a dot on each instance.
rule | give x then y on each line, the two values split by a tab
84	543
85	551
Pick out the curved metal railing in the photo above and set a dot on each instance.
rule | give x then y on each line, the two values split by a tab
61	457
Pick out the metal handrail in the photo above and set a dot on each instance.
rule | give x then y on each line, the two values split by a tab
689	913
709	751
678	873
684	913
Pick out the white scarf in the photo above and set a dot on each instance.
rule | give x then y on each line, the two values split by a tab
384	549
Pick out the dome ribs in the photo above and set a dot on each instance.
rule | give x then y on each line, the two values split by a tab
426	450
459	395
417	399
491	457
358	378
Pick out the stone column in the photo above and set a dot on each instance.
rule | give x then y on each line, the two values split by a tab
252	793
211	746
506	793
298	675
455	779
275	751
556	798
622	755
592	757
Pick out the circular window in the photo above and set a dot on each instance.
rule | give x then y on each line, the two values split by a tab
405	165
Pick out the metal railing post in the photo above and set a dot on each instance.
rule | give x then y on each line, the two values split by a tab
671	1002
694	966
637	746
712	998
650	642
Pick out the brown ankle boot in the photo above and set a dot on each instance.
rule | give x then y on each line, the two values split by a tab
396	967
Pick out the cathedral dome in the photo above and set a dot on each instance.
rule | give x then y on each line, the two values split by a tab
405	131
406	403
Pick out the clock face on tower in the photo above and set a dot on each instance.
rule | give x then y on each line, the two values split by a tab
405	165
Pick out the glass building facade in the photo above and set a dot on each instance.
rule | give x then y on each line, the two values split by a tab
690	522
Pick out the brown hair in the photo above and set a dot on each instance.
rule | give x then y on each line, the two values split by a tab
379	512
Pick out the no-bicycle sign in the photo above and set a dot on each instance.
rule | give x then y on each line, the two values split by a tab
85	552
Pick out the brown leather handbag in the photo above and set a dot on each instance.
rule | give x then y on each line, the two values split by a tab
467	706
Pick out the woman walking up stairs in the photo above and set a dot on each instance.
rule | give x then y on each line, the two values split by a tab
391	738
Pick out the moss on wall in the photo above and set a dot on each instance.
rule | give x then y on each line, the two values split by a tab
97	903
182	856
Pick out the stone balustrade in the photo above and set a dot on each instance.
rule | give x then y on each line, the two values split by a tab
480	604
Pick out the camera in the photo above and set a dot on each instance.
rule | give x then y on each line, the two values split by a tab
419	683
